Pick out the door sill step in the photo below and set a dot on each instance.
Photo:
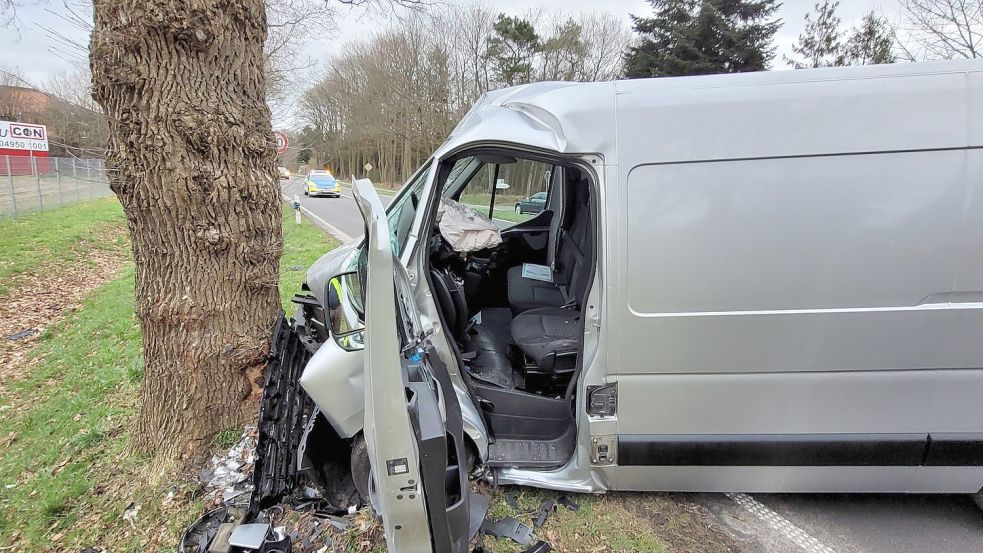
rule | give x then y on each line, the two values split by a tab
530	453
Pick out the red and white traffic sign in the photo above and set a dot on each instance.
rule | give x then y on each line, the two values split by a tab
281	142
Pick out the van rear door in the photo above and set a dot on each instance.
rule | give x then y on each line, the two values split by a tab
418	479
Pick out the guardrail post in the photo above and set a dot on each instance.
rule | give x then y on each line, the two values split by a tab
61	199
37	181
10	180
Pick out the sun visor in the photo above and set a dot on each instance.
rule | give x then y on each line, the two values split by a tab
465	229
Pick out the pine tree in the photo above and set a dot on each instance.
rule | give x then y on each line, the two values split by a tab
819	44
512	49
696	37
871	43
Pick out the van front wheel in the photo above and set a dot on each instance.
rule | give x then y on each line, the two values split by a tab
361	469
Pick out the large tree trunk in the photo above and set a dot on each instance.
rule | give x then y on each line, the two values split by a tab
183	86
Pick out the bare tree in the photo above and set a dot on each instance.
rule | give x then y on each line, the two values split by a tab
8	13
606	38
391	99
76	124
940	29
12	82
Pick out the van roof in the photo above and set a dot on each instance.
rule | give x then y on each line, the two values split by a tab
568	117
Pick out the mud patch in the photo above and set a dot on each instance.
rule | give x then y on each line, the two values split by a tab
686	527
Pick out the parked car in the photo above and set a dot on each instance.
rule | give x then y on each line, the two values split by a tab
322	183
283	172
532	204
765	282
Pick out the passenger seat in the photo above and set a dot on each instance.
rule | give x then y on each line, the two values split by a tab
550	336
526	293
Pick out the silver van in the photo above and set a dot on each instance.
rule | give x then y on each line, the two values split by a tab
767	282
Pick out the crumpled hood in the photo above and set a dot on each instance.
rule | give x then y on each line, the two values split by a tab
331	264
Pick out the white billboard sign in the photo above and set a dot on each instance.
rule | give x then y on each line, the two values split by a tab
23	136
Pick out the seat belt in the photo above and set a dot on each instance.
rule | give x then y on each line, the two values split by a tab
556	199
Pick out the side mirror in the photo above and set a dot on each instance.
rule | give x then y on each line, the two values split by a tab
344	311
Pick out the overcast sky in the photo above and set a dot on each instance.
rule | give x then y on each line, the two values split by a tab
35	53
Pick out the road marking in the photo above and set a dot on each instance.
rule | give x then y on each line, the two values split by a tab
779	523
333	230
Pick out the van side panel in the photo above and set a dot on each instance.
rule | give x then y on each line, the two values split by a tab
800	263
874	114
794	264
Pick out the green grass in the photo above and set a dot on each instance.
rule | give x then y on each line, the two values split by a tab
48	238
68	418
602	523
302	246
66	474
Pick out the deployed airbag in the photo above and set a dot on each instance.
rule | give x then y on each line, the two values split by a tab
465	229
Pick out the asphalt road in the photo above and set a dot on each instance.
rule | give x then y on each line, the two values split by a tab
784	523
848	523
340	213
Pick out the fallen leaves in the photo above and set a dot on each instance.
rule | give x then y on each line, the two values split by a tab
38	300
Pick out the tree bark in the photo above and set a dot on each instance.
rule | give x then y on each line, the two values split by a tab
183	88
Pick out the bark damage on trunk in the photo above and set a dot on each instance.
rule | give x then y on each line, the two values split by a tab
183	86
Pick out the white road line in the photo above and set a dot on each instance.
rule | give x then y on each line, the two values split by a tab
779	523
333	230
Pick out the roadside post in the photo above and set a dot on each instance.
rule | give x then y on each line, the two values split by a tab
37	181
10	181
61	199
297	208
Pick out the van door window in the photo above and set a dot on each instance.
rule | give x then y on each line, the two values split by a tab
521	190
402	211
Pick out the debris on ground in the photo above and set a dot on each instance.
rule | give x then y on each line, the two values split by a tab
27	332
228	478
508	527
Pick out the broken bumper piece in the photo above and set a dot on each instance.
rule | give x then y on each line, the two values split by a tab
284	414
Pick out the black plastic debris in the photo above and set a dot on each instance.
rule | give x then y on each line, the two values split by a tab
539	547
510	528
199	536
338	522
27	332
283	417
512	500
478	510
568	503
545	509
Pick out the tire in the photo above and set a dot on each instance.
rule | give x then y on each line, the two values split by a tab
361	469
518	209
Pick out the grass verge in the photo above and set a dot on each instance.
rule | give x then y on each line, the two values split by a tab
302	245
67	478
61	235
617	522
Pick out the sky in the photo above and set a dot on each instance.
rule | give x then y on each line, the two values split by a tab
33	51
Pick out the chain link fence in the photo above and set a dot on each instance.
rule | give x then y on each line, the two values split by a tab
37	183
